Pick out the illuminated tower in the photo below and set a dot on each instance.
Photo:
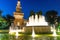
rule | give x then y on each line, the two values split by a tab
19	21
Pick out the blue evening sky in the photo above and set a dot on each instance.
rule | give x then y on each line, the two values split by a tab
9	6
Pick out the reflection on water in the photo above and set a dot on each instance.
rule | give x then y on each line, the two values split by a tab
6	36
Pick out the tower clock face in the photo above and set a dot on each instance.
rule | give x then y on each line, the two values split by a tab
18	16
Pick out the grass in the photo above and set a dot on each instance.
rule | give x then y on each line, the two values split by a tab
3	31
58	33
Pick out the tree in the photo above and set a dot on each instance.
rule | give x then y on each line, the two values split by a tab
39	13
9	19
51	16
3	22
32	13
0	12
58	19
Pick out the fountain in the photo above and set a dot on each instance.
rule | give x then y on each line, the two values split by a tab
51	29
36	20
38	23
16	32
15	29
33	32
54	31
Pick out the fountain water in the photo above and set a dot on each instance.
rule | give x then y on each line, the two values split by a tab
16	32
54	31
51	29
33	32
15	29
37	21
42	21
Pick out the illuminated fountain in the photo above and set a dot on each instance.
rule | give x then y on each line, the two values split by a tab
33	32
54	31
11	31
15	29
37	21
51	29
16	32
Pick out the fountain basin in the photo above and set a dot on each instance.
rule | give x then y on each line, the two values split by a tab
38	29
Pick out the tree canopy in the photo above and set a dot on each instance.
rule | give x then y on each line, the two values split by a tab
39	13
3	22
51	16
32	13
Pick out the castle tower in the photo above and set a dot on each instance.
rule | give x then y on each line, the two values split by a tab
19	21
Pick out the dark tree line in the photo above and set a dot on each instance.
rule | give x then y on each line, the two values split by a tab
5	21
9	19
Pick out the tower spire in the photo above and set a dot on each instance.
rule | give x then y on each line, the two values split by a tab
18	15
18	7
